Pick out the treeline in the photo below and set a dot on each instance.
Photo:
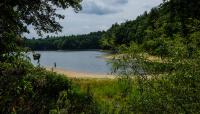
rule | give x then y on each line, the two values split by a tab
87	41
155	31
171	24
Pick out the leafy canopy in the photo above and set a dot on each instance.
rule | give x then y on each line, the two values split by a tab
17	15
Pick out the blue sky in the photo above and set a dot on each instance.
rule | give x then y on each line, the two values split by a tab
99	15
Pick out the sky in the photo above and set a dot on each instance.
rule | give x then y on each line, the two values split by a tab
98	15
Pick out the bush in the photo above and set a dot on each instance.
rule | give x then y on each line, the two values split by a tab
40	92
177	93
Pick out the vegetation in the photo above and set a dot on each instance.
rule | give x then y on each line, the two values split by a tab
170	32
17	15
30	90
173	23
25	89
88	41
172	93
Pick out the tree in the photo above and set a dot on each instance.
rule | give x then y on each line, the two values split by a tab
17	15
86	41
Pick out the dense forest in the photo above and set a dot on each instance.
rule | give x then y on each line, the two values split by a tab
157	62
74	42
157	32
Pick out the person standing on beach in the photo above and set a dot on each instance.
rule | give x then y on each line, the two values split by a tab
55	64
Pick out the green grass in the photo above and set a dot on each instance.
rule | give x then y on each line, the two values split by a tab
111	95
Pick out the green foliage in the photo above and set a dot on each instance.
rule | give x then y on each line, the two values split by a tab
170	84
110	95
25	89
16	16
169	81
34	90
88	41
174	93
156	31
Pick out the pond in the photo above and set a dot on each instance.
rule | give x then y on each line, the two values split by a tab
81	61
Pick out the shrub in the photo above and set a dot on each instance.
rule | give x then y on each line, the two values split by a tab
38	91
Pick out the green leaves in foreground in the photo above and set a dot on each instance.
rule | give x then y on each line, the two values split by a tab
42	92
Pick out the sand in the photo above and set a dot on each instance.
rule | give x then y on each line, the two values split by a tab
75	74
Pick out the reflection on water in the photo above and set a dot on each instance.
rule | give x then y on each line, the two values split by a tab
82	61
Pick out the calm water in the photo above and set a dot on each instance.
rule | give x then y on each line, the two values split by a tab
82	61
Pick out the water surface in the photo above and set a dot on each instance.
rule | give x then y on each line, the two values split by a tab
81	61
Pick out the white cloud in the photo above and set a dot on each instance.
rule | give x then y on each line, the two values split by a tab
92	7
101	14
102	7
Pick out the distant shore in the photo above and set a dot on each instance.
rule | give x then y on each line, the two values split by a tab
84	75
77	50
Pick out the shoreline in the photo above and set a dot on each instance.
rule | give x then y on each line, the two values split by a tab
101	50
80	75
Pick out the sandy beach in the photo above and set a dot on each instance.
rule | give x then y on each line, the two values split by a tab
75	74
